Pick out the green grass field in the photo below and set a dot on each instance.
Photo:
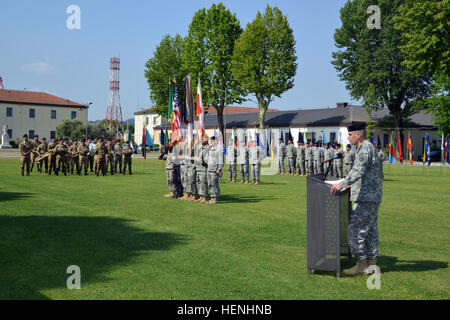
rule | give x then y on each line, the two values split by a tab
132	243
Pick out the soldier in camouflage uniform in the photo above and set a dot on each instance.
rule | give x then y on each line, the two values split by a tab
110	157
42	150
318	158
74	158
291	154
118	156
52	152
34	152
169	172
281	154
202	171
127	152
25	149
329	153
256	155
365	179
91	146
243	158
381	156
183	169
61	157
232	153
100	158
309	158
191	174
349	159
337	163
83	157
300	161
215	165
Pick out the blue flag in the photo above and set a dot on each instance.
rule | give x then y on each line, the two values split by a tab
324	141
148	139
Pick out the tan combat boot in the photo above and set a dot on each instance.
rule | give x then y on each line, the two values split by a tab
184	197
242	181
229	180
257	182
371	262
212	201
192	198
203	200
169	195
253	182
359	268
246	181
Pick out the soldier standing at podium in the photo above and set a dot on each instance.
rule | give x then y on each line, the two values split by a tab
365	179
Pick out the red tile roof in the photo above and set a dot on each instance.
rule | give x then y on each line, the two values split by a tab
36	98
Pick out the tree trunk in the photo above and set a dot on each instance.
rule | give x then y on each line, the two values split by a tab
262	115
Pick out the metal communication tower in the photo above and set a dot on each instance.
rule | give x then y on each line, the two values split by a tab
114	110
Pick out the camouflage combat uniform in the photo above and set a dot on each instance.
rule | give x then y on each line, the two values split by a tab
309	159
34	154
61	158
291	154
127	159
215	165
100	158
365	179
256	155
51	149
110	158
281	153
231	161
25	149
349	159
191	173
243	162
202	171
318	160
83	158
74	158
329	153
300	163
337	163
118	157
42	150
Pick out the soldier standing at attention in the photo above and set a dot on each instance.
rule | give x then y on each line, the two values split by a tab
365	179
83	158
67	155
25	148
127	152
52	152
308	158
34	152
74	159
300	161
215	165
183	168
243	158
291	154
318	158
337	163
61	161
110	157
42	150
202	171
191	174
232	153
349	159
256	155
91	146
327	156
118	156
382	157
281	153
100	157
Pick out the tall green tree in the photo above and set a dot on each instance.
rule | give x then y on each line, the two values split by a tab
370	61
165	64
207	54
425	26
71	129
264	60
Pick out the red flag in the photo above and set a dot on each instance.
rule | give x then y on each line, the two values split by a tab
399	148
410	149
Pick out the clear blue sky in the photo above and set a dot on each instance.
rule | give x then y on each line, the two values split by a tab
38	51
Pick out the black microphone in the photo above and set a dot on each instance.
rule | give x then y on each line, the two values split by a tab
338	156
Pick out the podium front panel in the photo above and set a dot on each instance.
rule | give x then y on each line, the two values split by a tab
327	218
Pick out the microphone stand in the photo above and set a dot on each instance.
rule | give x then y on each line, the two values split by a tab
330	161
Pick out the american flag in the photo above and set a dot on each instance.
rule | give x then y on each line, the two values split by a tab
177	134
1	83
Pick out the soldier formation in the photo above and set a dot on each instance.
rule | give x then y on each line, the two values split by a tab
307	159
74	157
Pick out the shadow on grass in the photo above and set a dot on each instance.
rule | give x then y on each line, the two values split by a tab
36	250
9	196
393	264
236	198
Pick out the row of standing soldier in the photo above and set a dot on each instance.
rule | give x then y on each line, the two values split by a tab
309	158
75	156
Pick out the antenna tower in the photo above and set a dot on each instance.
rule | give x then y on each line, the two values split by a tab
114	110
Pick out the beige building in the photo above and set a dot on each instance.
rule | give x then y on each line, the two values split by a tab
31	113
150	120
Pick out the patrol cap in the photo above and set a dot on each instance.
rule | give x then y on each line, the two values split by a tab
212	138
36	136
349	146
128	142
356	126
25	136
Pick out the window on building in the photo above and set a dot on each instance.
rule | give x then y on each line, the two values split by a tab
73	115
332	136
31	134
146	121
10	133
154	121
385	140
32	113
9	112
53	114
52	134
